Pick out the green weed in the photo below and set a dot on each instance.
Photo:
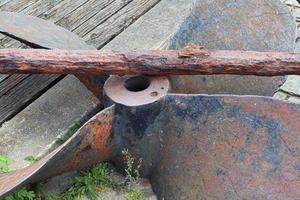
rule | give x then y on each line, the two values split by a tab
4	164
31	159
89	183
132	173
21	194
73	128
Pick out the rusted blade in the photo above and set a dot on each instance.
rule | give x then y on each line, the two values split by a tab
220	147
192	146
88	146
37	32
212	147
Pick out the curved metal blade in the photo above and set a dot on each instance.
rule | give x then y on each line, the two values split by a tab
215	147
40	33
192	147
88	146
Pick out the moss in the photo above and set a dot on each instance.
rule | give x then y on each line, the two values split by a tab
73	128
31	159
135	195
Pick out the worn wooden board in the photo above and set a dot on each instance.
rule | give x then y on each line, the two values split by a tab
81	16
26	92
101	17
17	5
106	31
10	86
10	82
2	77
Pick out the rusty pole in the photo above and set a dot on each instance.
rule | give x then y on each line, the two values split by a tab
152	62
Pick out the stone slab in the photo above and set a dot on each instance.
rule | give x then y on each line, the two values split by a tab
155	28
34	130
292	84
178	29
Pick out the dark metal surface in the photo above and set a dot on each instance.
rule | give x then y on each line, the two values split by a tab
192	146
39	33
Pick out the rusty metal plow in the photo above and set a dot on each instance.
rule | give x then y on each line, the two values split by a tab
192	146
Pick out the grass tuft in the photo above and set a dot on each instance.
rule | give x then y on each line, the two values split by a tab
21	194
132	172
88	183
4	164
31	159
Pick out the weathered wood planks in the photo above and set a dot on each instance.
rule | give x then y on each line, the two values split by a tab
26	91
106	31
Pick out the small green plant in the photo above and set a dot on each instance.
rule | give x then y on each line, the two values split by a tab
135	195
4	164
132	173
89	183
31	159
21	194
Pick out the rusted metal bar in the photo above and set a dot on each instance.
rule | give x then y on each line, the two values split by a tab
153	62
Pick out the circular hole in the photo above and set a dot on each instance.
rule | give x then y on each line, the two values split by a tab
153	94
137	83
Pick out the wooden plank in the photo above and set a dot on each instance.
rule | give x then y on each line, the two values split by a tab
8	108
45	9
41	7
101	17
3	2
106	31
17	5
75	19
62	9
3	77
17	99
10	82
